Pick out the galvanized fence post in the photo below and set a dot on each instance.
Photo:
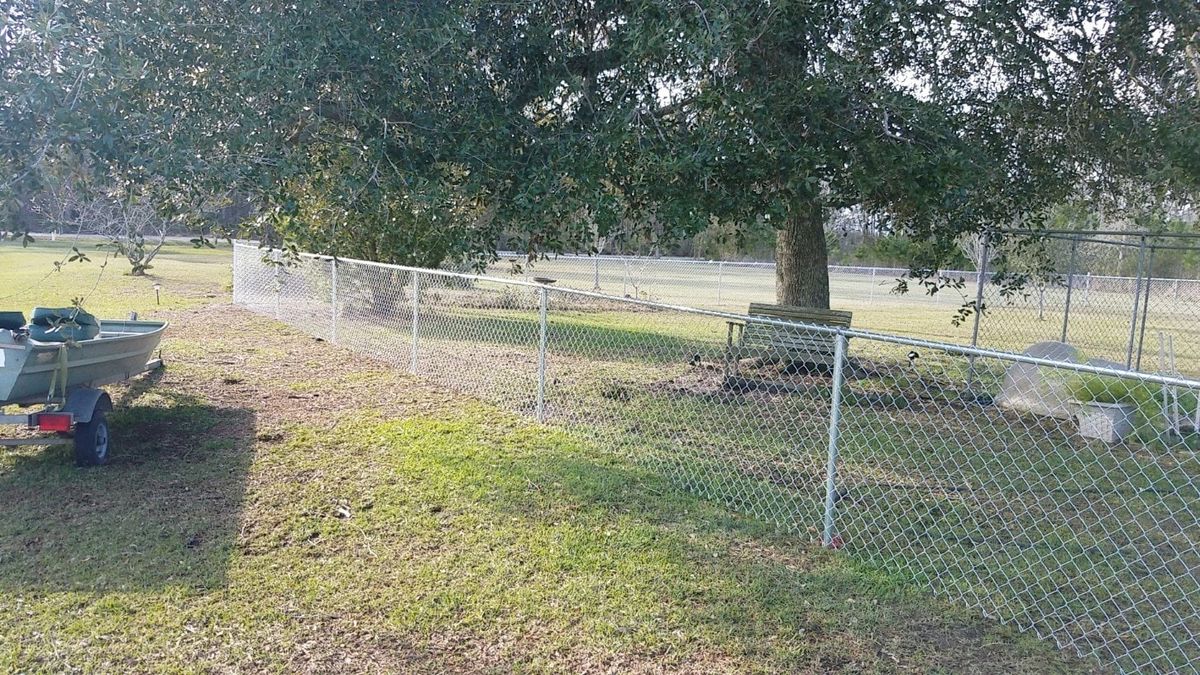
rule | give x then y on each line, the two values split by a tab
835	416
1070	286
596	273
333	300
1145	308
1137	297
980	280
720	274
237	272
416	320
541	382
278	287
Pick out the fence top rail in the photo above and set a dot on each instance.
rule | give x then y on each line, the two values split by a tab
1142	234
947	347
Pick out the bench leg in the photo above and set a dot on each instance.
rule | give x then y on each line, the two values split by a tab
728	348
732	351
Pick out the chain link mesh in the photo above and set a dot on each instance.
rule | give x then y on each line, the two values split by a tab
1058	497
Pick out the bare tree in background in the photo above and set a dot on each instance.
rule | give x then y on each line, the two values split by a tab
133	228
973	246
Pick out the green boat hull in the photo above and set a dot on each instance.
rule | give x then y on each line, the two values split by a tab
27	367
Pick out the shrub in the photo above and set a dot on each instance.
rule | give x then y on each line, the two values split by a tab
1145	396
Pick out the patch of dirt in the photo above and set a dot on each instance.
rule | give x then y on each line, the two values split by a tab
711	384
221	354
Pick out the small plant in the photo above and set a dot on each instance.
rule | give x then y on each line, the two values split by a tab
1106	389
1145	395
1147	399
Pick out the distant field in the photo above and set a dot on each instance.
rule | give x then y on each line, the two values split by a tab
187	277
1099	326
1100	316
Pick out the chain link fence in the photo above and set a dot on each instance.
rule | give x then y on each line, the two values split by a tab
1120	319
1055	496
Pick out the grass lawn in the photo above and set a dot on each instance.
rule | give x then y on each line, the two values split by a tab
187	277
275	503
1015	514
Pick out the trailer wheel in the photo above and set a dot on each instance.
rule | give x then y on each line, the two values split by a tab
91	441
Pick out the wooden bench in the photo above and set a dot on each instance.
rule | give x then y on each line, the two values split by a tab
779	344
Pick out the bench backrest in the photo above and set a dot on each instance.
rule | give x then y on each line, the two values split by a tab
824	317
797	344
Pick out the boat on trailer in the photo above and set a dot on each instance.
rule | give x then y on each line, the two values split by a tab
65	377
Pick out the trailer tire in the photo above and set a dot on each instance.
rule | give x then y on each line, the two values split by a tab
91	440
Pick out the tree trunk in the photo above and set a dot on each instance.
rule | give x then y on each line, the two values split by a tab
801	261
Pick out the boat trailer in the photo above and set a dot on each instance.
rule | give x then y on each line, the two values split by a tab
73	408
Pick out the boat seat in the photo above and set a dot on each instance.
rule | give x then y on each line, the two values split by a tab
62	325
49	316
12	320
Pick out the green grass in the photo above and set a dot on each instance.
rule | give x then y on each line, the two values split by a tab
475	525
241	528
1016	515
187	277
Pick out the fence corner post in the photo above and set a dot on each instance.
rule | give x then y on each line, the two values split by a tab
835	415
1070	287
416	320
541	382
1137	298
235	275
1145	308
981	276
278	288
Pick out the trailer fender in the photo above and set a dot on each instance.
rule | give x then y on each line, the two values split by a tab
82	403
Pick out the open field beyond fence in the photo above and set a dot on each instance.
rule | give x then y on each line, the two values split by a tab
1101	309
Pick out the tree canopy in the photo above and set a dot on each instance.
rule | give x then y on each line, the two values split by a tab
421	132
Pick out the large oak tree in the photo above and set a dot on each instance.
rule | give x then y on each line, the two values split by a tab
419	132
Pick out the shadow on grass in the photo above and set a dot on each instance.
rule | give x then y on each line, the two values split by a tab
164	512
568	336
1022	523
614	550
